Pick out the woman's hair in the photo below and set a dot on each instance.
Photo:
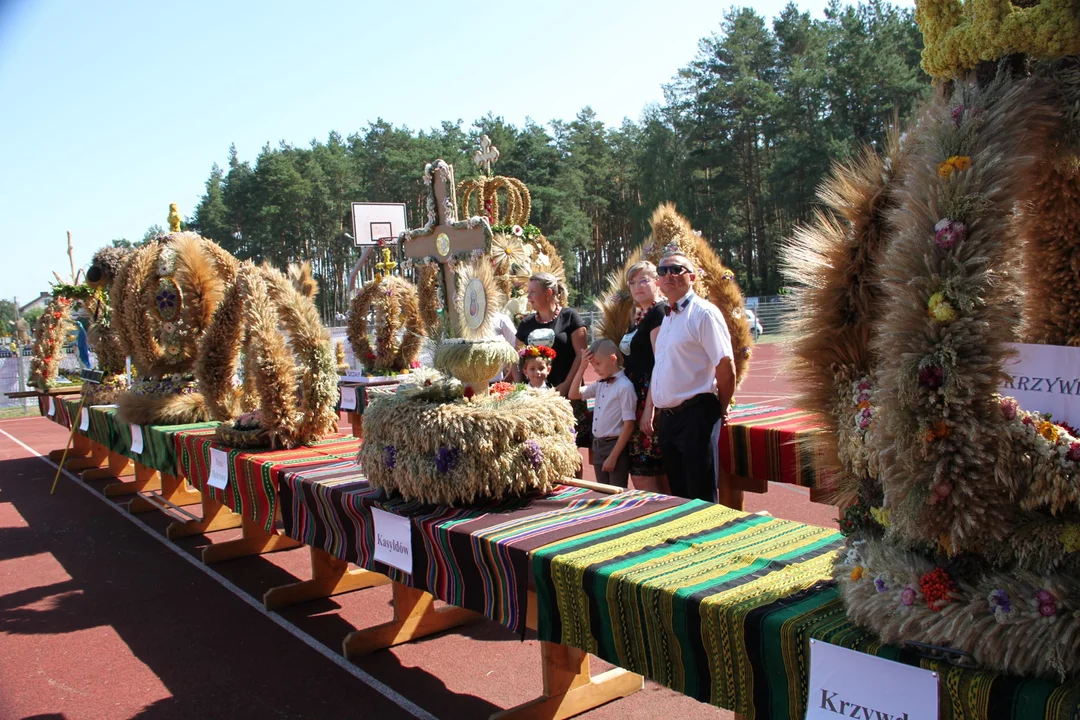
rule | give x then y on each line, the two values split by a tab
552	283
643	266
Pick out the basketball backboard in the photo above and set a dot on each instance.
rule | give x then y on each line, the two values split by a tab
373	222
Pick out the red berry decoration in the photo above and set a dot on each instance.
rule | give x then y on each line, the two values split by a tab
937	587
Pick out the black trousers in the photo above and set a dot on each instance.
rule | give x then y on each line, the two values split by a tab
685	443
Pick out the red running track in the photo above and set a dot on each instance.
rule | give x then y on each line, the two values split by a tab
102	618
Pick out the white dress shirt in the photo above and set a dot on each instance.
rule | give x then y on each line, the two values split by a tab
689	346
616	402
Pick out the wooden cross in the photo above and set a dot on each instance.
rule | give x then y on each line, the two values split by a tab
444	235
486	156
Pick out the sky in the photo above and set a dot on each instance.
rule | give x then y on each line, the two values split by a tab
111	110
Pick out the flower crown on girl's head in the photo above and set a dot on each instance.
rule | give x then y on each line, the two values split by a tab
533	351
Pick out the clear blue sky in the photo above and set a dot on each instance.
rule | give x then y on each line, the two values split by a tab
112	110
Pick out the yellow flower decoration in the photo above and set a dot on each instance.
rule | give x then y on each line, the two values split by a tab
881	515
1070	537
940	309
856	574
953	164
1048	430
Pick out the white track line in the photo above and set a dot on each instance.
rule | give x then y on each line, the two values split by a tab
377	685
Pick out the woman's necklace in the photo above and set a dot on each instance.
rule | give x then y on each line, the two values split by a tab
554	314
639	313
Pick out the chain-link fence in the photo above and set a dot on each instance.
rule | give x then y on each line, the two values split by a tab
14	373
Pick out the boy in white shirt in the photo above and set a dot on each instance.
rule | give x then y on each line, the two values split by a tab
614	412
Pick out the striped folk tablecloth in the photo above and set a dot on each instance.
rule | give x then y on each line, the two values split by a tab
252	489
721	606
476	557
765	444
159	441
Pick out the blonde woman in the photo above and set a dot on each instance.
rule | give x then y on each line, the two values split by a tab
637	346
547	295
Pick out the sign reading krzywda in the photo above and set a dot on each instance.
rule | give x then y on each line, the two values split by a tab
1046	378
847	683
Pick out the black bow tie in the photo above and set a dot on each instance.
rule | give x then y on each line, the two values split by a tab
607	380
677	307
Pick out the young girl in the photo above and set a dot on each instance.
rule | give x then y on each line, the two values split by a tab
535	364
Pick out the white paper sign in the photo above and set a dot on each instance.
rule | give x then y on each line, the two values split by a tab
136	439
52	408
1046	378
393	540
84	421
348	398
219	469
848	683
353	374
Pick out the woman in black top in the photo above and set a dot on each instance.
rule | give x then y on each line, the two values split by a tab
547	295
637	348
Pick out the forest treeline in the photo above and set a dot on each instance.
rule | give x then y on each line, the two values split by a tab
745	134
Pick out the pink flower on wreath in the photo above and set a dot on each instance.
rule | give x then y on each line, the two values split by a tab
908	596
1074	452
949	232
1047	603
864	385
957	114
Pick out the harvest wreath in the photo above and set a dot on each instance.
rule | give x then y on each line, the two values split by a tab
672	232
397	308
290	386
49	333
162	301
428	443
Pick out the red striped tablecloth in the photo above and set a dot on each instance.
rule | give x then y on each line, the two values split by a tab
254	475
762	444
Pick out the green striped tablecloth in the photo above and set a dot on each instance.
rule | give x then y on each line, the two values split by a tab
159	441
721	606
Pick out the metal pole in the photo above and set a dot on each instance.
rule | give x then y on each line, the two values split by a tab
18	357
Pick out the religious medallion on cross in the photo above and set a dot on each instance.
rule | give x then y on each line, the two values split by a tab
444	236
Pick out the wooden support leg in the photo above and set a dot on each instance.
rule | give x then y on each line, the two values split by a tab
729	492
570	689
357	422
80	448
215	516
146	479
329	576
95	458
174	493
118	466
415	617
255	541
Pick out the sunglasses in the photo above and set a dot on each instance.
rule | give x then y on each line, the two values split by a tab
671	270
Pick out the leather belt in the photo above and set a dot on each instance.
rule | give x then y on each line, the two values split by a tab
700	398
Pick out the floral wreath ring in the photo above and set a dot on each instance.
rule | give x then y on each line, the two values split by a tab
536	351
396	305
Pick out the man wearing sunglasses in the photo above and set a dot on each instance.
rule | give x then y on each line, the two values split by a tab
692	382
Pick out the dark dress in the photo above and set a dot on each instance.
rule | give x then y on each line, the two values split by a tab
564	325
638	364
